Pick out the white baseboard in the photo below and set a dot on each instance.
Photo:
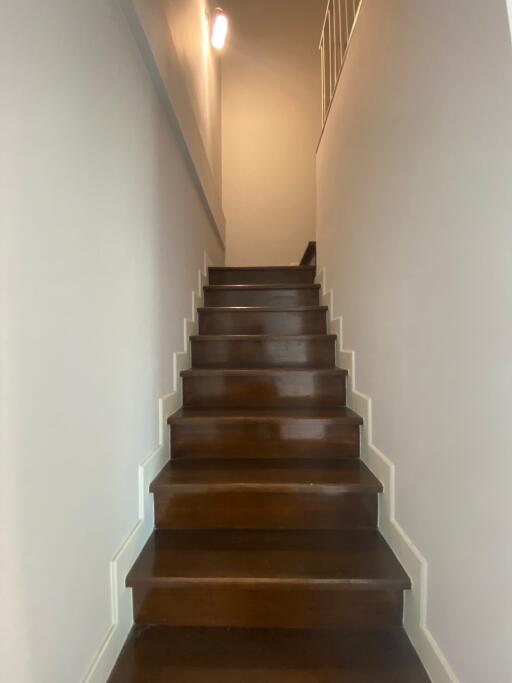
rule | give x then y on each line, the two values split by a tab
414	563
120	596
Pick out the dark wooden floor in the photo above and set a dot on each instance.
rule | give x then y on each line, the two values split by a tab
266	564
166	655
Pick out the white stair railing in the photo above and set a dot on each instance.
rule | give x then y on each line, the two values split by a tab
339	21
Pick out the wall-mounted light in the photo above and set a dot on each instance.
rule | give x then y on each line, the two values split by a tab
219	29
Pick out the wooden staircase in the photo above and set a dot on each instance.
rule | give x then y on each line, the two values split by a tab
266	565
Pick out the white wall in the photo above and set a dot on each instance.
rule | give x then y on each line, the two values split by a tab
103	233
190	24
271	115
415	231
173	37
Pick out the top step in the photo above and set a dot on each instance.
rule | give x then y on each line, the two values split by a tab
261	275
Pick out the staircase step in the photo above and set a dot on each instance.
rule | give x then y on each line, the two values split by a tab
161	654
266	494
307	294
273	579
311	433
258	351
266	564
263	387
263	320
261	275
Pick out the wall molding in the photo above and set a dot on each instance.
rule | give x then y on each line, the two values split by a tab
414	563
120	596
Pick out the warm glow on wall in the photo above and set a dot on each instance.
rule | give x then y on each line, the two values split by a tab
219	29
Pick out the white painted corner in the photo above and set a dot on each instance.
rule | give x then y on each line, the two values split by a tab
414	563
120	596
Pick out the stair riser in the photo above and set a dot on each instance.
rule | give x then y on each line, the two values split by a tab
177	655
262	607
262	297
261	276
315	353
262	322
290	390
208	509
286	439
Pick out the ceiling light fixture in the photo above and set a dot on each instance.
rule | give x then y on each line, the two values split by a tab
219	29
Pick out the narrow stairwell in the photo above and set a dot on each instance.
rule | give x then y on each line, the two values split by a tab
266	564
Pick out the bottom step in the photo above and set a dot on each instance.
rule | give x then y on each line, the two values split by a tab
268	579
163	654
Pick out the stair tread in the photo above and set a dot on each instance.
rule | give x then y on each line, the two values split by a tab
347	559
341	476
247	372
264	415
252	268
262	309
219	655
263	286
266	517
261	337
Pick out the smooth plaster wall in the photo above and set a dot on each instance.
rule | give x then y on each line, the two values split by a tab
190	23
271	116
102	235
415	230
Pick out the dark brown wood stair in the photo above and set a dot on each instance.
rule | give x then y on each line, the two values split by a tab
268	579
262	320
264	275
266	494
266	564
263	387
194	655
305	294
264	433
263	351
